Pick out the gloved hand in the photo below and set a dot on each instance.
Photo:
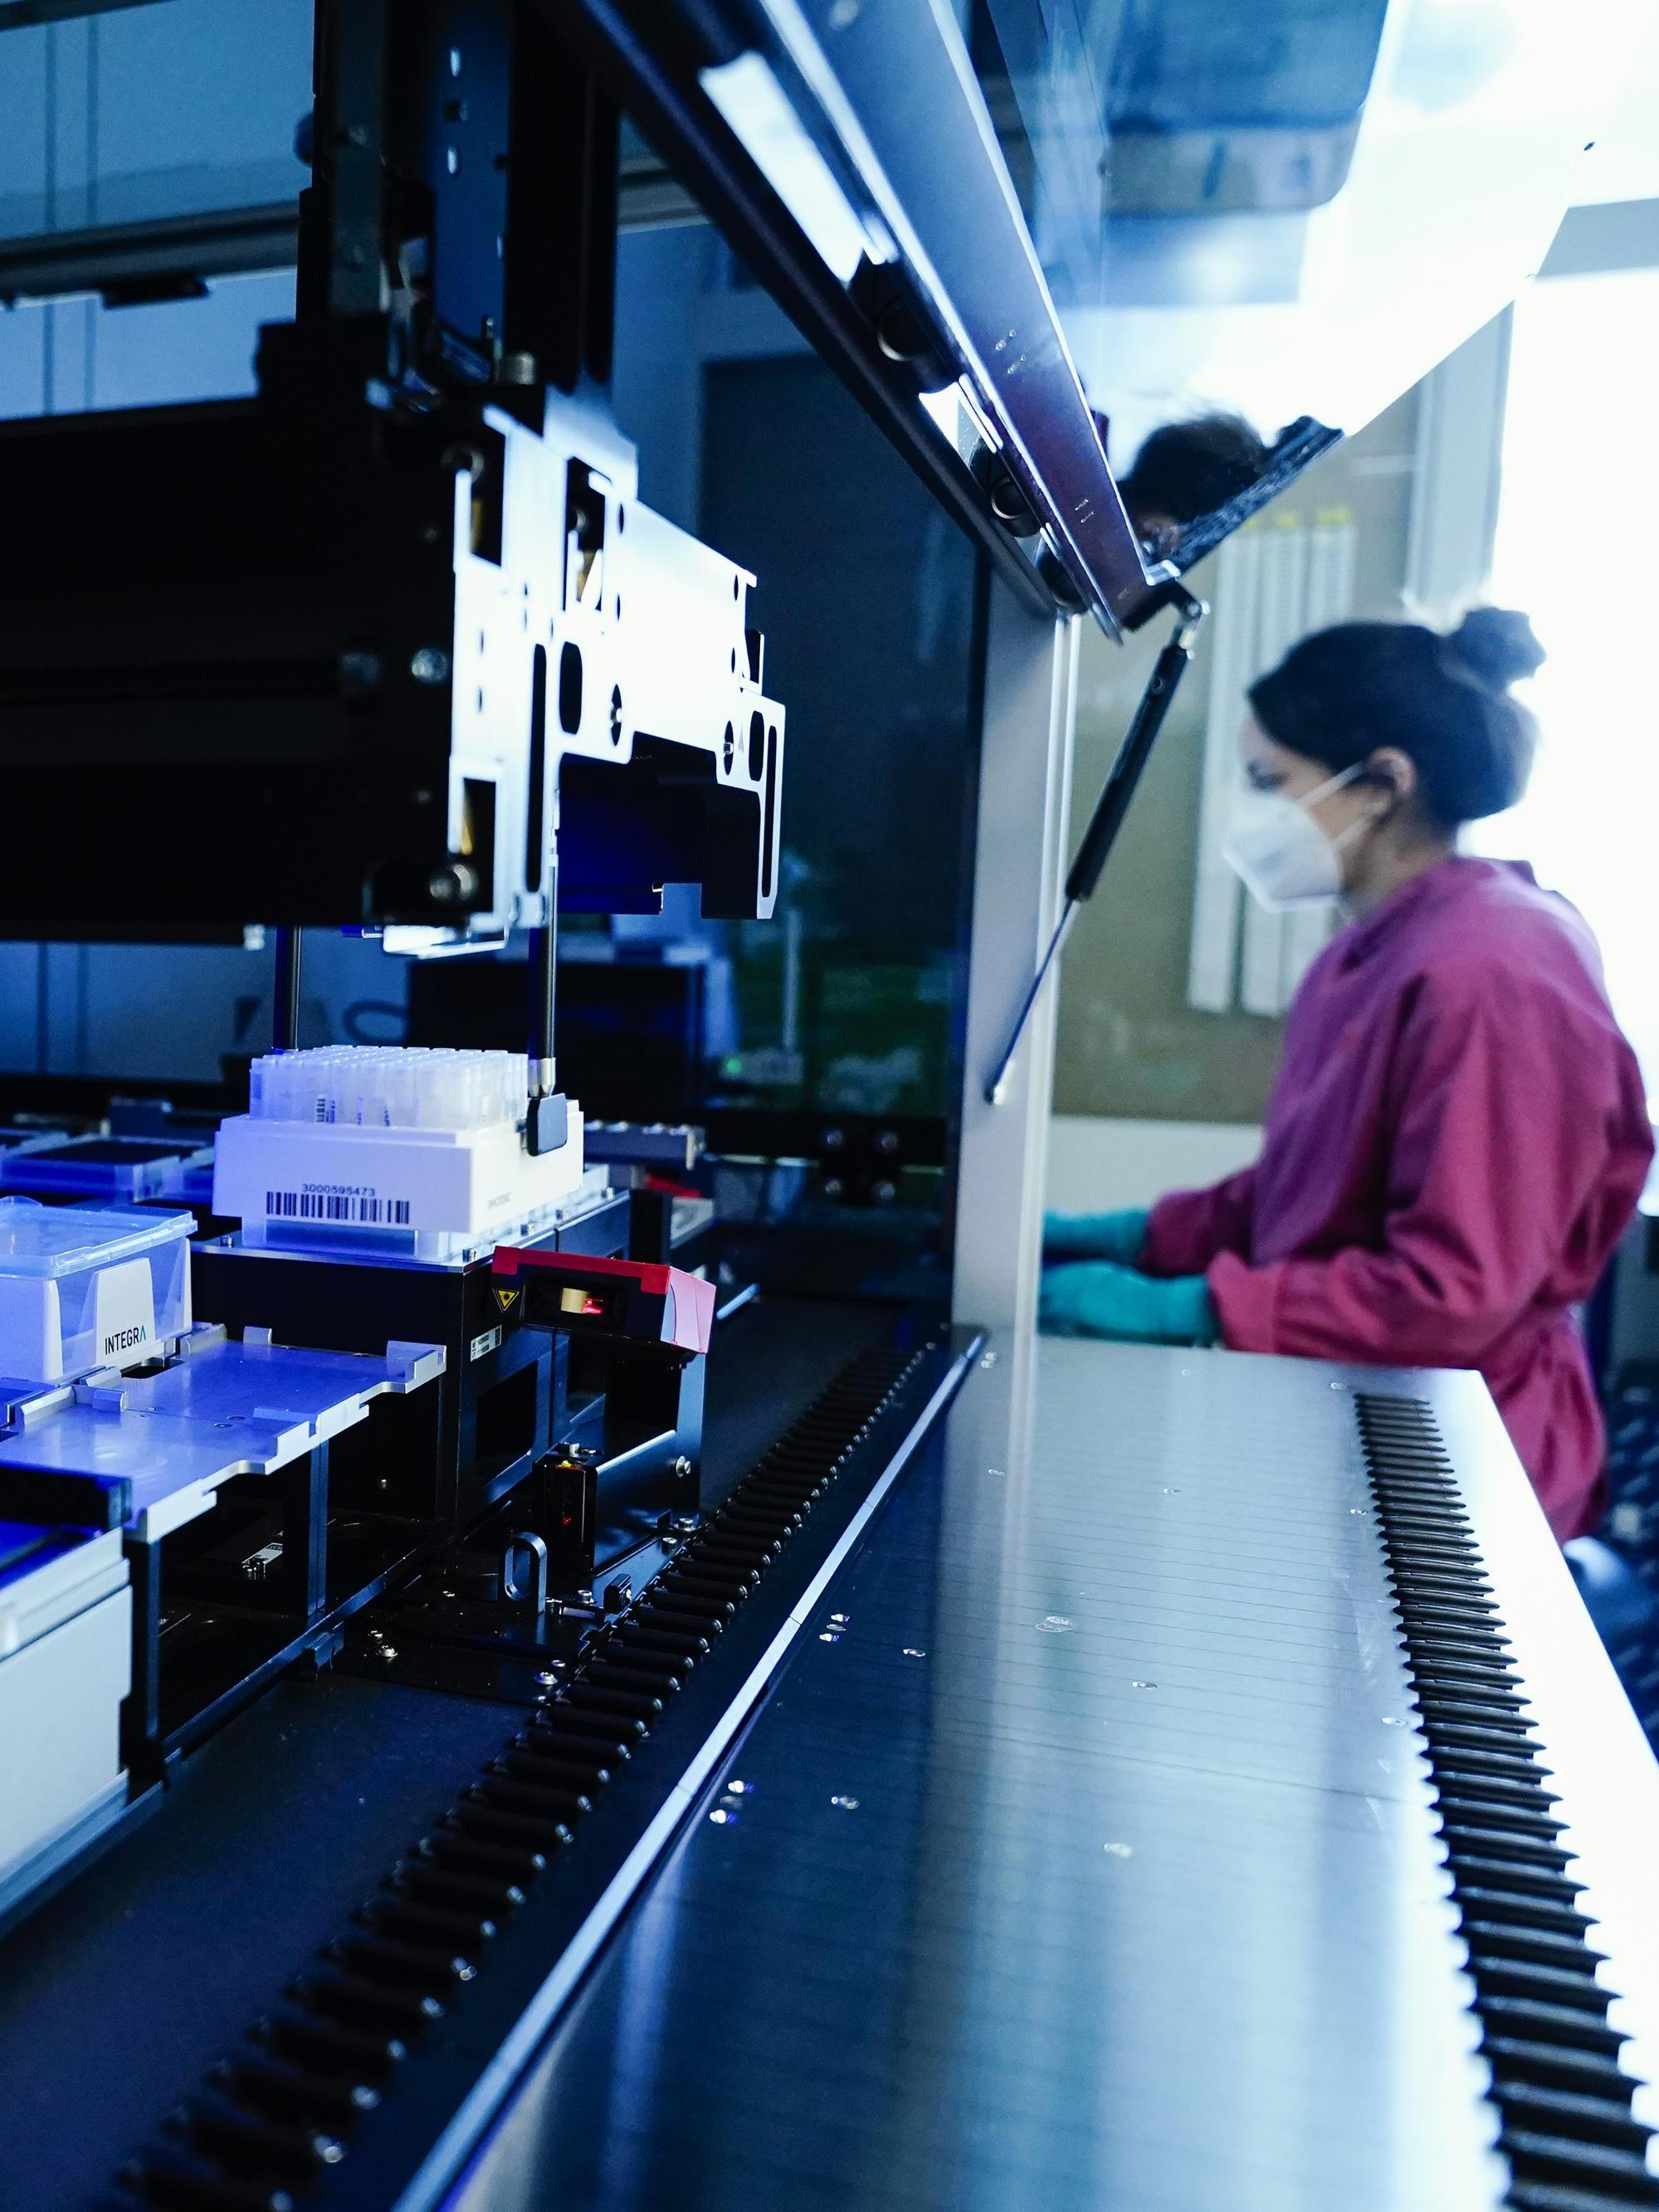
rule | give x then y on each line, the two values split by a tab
1120	1236
1094	1298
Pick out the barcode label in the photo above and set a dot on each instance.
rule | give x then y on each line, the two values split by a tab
355	1206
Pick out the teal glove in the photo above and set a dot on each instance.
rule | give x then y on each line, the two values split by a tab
1094	1298
1120	1236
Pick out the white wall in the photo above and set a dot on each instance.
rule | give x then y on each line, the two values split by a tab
1095	1163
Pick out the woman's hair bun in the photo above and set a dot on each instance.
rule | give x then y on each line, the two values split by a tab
1496	645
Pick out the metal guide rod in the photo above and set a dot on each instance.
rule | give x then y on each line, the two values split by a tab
1111	807
542	981
285	992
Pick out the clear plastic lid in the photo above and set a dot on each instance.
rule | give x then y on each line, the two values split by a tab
38	1240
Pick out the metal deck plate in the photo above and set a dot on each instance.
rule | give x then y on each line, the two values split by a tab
1086	1857
226	1409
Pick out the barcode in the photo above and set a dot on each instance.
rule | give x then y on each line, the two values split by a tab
337	1205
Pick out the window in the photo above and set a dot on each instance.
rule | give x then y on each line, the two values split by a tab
1575	547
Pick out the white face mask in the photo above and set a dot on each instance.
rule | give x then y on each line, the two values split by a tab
1283	856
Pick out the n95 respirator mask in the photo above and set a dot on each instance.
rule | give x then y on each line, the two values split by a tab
1279	851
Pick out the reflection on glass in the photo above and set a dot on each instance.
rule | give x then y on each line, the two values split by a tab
1262	222
148	114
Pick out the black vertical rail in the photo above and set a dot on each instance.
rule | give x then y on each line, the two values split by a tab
1567	2128
285	991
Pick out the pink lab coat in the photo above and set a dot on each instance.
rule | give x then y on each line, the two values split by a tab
1457	1142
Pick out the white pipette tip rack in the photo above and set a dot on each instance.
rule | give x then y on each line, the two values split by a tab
390	1149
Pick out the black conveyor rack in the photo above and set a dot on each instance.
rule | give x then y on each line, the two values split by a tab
280	2113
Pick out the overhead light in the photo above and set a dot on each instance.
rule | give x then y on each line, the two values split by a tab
753	104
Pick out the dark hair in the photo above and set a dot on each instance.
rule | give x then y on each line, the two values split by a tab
1343	693
1187	469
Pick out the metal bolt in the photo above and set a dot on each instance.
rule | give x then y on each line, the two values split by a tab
547	1677
833	1140
884	1191
832	1186
429	664
447	886
887	1141
388	1651
682	1467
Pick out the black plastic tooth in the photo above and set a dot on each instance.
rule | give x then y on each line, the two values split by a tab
354	2056
687	1648
1444	1672
1411	1583
518	1784
1443	1554
1585	2073
1496	1750
723	1584
606	1732
544	1761
448	1847
576	1759
361	2003
408	1920
708	1616
1504	1878
1492	1844
1481	1708
493	1823
1515	1977
621	1709
384	1960
1508	1818
643	1672
1623	2179
1496	1939
1560	2197
1454	1616
238	2140
451	1892
1474	1639
296	2092
175	2181
1464	1780
752	1514
1561	2025
1507	1907
742	1557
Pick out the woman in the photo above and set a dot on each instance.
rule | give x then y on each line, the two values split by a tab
1458	1135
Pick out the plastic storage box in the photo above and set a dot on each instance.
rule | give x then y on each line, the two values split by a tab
82	1290
65	1665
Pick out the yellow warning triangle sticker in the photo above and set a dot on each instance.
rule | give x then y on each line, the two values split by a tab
505	1300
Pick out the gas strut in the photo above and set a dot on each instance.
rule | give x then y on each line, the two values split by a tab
1113	804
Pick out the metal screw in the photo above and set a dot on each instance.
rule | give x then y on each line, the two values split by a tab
429	664
832	1186
447	886
887	1140
388	1651
989	1360
547	1677
884	1191
682	1467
